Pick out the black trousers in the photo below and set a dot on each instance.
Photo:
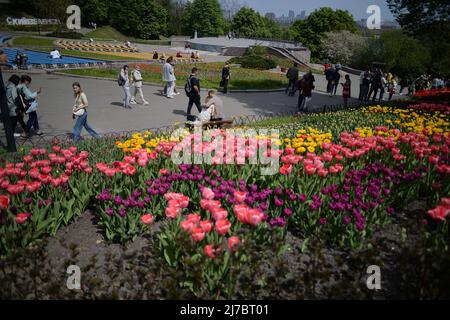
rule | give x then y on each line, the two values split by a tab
18	119
291	86
225	86
194	100
373	90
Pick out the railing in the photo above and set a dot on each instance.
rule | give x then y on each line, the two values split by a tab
66	138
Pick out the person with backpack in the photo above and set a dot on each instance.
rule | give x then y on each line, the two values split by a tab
15	112
27	99
80	113
346	90
136	79
292	75
192	89
124	82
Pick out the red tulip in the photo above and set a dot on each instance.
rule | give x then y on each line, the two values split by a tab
210	251
232	242
172	212
27	159
42	151
56	182
223	226
4	202
310	169
4	184
195	218
64	178
14	189
33	186
433	159
187	225
46	170
73	150
110	172
207	194
147	219
164	171
255	217
206	226
198	234
22	217
240	196
286	169
322	172
439	213
88	170
34	152
445	202
218	213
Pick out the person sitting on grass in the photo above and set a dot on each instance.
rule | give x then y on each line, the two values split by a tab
179	55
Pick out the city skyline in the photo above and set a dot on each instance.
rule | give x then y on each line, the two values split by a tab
357	9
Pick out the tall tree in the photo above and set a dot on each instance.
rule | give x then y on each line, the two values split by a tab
94	11
342	46
203	16
145	19
429	22
248	23
311	30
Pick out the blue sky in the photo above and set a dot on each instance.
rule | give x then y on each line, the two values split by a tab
356	7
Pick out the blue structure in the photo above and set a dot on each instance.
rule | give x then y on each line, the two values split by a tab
42	59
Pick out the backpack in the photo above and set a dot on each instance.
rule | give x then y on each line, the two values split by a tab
188	86
120	81
22	104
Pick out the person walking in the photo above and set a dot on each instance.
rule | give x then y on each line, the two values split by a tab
365	86
375	85
292	75
306	86
226	76
29	97
382	87
136	79
80	113
346	90
329	76
169	77
15	112
336	78
192	89
124	82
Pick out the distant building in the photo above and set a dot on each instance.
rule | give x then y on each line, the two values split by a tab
271	16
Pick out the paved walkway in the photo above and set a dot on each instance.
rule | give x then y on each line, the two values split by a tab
106	113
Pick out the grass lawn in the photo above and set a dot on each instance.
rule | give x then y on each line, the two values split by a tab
93	55
109	33
210	76
33	42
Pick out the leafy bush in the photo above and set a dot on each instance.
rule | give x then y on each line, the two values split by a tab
255	62
66	34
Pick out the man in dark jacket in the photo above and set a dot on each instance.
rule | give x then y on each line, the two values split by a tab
375	85
226	75
292	75
329	76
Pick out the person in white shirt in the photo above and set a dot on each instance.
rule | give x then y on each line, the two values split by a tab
54	54
169	77
136	80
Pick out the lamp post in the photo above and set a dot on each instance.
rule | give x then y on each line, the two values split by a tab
11	142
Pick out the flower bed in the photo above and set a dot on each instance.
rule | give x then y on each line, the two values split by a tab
341	177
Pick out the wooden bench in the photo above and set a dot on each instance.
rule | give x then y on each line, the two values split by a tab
213	124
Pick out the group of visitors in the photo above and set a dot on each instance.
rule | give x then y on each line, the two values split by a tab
136	80
22	101
373	81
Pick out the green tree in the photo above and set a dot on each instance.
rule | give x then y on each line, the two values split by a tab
203	16
428	21
311	30
145	19
94	11
248	23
